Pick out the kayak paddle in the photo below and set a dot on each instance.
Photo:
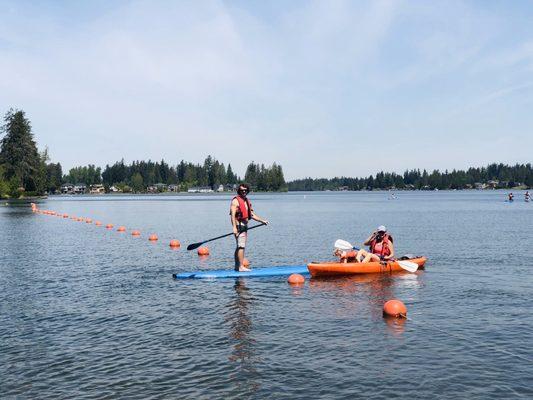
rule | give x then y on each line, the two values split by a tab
196	245
407	265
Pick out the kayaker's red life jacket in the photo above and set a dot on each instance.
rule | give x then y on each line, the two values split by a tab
380	248
243	213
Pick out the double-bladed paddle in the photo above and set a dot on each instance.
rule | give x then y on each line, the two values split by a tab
407	265
196	245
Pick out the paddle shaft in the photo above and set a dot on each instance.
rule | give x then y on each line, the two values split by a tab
196	245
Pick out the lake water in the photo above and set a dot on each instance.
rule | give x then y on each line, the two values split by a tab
87	312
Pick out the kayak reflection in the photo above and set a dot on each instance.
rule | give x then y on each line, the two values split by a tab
357	292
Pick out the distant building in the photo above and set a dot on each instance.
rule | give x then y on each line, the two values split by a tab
493	184
220	188
173	188
480	186
114	189
67	188
97	189
80	188
200	189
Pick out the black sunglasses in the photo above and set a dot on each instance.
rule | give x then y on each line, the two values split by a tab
243	190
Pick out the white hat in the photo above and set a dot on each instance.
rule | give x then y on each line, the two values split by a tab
382	228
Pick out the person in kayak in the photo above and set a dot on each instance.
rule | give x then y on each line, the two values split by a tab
381	247
241	212
511	196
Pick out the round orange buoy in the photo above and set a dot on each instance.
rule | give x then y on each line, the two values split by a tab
175	243
394	308
135	233
98	223
79	219
246	262
109	226
121	229
65	215
153	237
89	221
296	279
203	251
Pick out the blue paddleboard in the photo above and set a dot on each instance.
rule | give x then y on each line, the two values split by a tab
256	272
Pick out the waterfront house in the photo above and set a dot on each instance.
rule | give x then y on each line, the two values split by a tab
173	188
80	188
114	189
200	189
67	188
97	189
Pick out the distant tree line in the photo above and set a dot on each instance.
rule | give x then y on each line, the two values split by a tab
139	175
493	176
26	172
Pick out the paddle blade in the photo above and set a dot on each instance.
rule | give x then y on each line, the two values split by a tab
408	265
343	245
194	246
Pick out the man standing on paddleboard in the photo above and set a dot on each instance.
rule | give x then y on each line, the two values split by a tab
241	212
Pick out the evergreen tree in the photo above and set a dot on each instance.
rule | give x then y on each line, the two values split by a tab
19	156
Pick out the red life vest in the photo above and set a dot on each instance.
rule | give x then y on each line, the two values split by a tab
380	248
243	213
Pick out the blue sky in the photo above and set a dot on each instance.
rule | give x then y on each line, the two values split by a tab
325	88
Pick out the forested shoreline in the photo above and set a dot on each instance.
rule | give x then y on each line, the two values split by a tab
493	176
25	172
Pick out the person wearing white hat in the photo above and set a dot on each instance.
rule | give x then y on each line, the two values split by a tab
381	247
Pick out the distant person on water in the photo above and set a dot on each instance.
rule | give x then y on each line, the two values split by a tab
381	247
241	212
527	196
511	196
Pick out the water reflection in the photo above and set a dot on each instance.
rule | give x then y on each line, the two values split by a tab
241	333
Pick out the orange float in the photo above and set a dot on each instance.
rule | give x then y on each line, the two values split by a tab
153	237
394	308
175	243
79	219
98	223
109	226
65	215
121	229
296	279
203	251
89	221
135	233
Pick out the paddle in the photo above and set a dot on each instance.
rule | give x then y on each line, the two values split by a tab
407	265
196	245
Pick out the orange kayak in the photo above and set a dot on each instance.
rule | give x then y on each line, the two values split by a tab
333	268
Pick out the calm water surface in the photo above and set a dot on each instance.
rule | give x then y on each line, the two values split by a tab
90	313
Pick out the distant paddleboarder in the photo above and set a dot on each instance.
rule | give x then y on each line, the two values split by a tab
527	196
241	212
511	197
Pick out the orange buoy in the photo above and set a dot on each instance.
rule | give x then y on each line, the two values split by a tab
135	233
246	262
121	229
203	251
175	243
109	226
98	223
296	279
79	219
394	308
88	221
153	237
65	215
